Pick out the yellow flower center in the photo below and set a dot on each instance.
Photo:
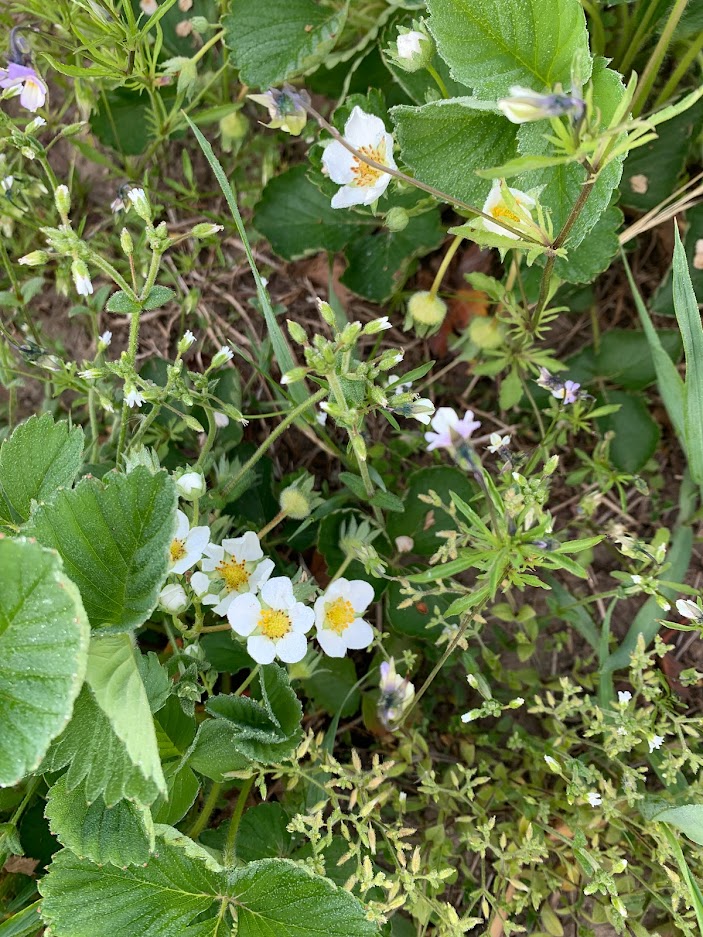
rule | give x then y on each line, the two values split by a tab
234	574
339	615
503	213
274	624
365	175
178	550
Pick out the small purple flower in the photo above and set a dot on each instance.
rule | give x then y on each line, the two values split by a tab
32	89
567	391
449	429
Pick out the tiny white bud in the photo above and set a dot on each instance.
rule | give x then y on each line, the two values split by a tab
190	486
173	598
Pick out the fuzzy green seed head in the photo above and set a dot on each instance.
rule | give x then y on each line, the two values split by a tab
295	503
486	332
427	309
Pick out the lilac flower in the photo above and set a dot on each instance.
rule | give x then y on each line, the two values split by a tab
31	87
567	391
448	428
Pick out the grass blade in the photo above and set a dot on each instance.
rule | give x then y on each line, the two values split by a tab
689	319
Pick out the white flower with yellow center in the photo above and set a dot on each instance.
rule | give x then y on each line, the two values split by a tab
337	616
188	545
497	207
274	623
236	567
361	184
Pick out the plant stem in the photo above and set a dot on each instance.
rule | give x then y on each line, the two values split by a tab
228	855
209	439
637	40
271	524
438	81
131	359
678	73
657	57
206	812
245	683
446	260
292	416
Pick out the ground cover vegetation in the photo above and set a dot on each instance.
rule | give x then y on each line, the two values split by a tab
351	396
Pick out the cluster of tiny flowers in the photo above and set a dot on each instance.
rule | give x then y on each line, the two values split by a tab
566	391
235	580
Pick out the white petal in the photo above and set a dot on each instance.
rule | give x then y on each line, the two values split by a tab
215	552
260	574
331	643
222	605
336	590
199	583
443	420
182	526
339	163
32	96
244	549
376	191
243	613
278	592
292	647
262	649
360	594
198	539
358	635
362	129
319	611
349	195
189	558
302	618
495	197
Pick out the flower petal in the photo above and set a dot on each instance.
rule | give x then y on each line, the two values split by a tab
338	163
243	613
182	526
244	549
278	592
331	643
362	129
349	195
261	648
444	419
358	635
360	594
199	583
260	574
292	647
198	539
302	618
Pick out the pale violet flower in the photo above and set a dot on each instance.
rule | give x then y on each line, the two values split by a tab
190	485
524	104
148	7
274	623
496	206
337	616
688	609
655	742
498	442
410	44
448	428
396	695
30	87
132	396
361	184
568	392
594	798
173	598
188	544
286	107
237	566
624	697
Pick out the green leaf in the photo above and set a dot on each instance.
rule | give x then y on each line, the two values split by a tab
688	818
624	358
38	458
121	835
121	303
273	41
414	619
490	45
43	650
94	755
379	265
297	219
121	120
114	678
595	253
182	789
114	539
333	686
446	141
262	833
158	296
636	433
663	302
689	319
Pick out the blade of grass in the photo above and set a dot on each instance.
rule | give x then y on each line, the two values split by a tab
689	319
671	387
280	347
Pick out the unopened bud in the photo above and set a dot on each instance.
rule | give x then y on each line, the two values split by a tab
185	342
224	355
294	375
378	325
62	199
359	447
205	230
327	312
191	486
35	259
140	203
173	598
397	219
297	332
486	332
350	333
126	242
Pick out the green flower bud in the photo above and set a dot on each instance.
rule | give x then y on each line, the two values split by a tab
294	375
206	230
359	447
397	219
126	242
414	49
327	312
297	332
34	259
427	309
200	24
62	199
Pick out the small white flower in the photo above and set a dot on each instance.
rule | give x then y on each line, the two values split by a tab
496	207
321	416
498	442
191	485
410	44
236	567
104	340
594	798
339	627
361	184
200	583
448	428
404	544
396	694
655	742
35	125
188	544
636	579
688	609
552	763
186	341
221	419
81	278
6	183
90	374
132	397
274	623
173	598
140	203
224	355
624	697
422	410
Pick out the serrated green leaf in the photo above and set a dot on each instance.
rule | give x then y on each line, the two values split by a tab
38	458
595	253
689	318
114	537
43	650
114	678
273	41
297	219
636	433
387	501
491	45
121	303
158	296
182	789
446	141
263	833
121	835
93	754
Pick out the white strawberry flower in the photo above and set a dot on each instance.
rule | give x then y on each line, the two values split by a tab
337	616
361	184
496	206
274	622
236	567
188	544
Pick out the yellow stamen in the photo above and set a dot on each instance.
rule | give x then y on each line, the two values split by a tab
502	212
234	574
178	550
274	624
365	175
339	615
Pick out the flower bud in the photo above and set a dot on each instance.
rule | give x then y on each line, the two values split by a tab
62	199
206	230
185	342
200	24
378	325
414	49
191	486
28	152
294	375
81	278
140	203
224	355
297	332
35	259
404	544
173	598
104	340
486	332
389	359
427	309
397	219
327	312
126	242
359	447
350	333
233	130
294	501
38	123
